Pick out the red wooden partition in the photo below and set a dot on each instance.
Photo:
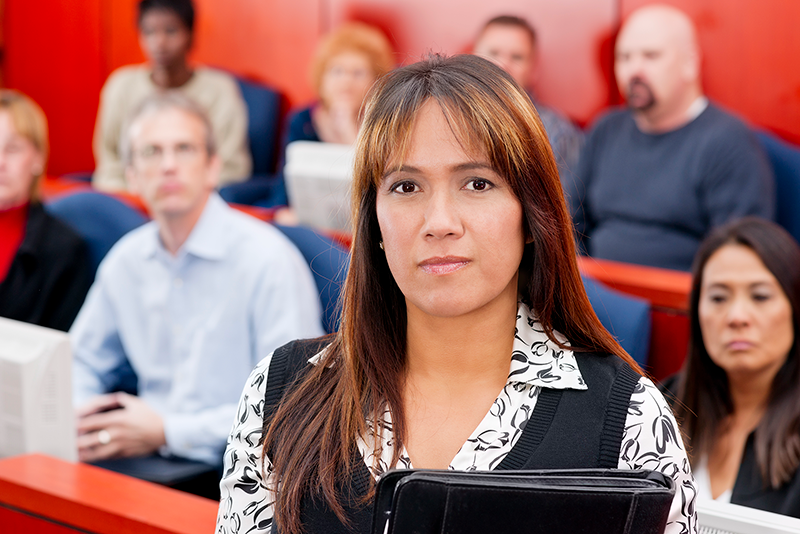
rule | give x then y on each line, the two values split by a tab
668	293
40	494
61	51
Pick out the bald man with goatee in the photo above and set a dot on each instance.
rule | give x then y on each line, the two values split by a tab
654	178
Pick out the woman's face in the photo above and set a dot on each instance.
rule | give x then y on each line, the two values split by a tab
451	226
19	162
346	80
745	316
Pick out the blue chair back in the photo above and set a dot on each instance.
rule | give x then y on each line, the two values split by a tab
263	124
627	318
785	160
98	218
328	262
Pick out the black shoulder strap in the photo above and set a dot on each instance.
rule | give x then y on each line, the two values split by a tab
288	364
565	415
534	431
619	400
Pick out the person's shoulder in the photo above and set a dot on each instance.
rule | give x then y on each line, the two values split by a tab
611	119
61	239
721	134
130	248
605	367
211	77
255	237
723	125
297	357
123	76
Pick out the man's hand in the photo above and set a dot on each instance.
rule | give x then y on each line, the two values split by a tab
118	425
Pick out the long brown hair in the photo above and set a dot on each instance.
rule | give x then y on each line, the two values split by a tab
703	386
313	435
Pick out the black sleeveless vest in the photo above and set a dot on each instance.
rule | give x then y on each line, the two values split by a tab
567	429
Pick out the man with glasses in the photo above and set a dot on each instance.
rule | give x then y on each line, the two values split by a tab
191	301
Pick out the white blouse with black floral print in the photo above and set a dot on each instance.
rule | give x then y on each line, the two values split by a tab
651	439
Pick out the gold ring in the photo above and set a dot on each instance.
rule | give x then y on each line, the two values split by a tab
104	437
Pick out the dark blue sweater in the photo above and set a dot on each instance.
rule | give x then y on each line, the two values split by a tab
651	199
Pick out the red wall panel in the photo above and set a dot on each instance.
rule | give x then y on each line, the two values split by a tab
751	57
751	51
573	39
272	41
52	53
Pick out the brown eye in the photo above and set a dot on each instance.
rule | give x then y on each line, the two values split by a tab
405	187
479	184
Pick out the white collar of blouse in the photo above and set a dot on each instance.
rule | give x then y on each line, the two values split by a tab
535	359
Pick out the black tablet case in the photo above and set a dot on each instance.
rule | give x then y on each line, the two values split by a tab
596	501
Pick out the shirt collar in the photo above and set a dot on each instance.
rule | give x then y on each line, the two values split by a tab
535	359
207	239
698	106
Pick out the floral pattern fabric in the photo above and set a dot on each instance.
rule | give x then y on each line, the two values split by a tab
651	438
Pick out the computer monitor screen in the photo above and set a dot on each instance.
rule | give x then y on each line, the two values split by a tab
36	413
318	178
724	518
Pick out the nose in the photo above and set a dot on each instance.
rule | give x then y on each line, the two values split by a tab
739	313
168	161
442	217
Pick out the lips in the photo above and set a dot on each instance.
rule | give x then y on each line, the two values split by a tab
739	345
443	265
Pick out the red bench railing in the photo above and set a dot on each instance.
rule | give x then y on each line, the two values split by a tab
45	495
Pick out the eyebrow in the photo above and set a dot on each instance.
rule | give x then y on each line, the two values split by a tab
472	165
751	285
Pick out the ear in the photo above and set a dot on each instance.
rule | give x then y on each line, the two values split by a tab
691	68
37	167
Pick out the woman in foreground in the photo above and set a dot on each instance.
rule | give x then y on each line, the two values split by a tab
465	326
739	390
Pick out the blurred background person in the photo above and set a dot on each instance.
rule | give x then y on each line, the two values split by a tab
511	43
191	301
738	394
346	64
656	177
44	267
166	33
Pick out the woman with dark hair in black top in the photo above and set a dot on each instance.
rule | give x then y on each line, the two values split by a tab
738	394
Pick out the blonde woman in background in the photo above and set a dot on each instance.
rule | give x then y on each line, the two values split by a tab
346	64
44	267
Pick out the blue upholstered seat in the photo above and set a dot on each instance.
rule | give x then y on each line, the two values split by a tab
626	317
785	160
263	124
98	218
328	262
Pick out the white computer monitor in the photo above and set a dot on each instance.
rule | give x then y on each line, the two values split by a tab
36	413
724	518
318	178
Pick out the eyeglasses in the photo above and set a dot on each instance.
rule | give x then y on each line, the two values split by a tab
152	155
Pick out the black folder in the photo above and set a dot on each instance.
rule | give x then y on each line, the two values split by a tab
596	501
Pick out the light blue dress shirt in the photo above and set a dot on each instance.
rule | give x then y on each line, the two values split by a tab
193	325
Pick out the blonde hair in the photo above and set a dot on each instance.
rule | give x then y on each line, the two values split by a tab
31	123
353	37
